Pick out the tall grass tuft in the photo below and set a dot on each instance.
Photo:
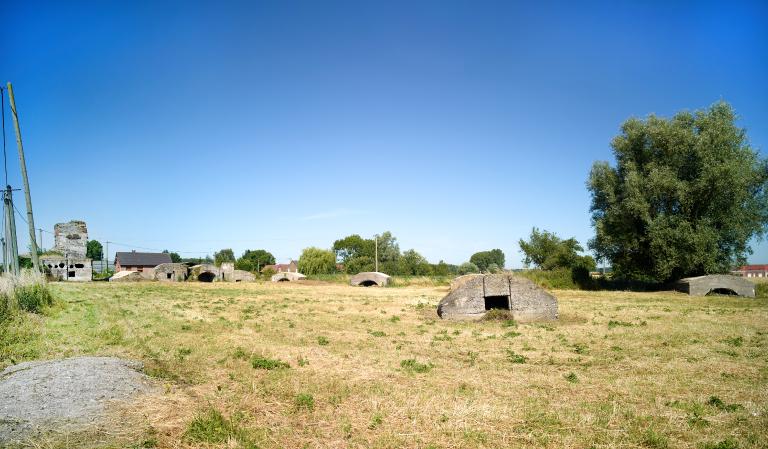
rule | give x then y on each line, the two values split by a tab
27	291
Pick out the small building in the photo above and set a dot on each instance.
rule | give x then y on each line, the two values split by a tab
752	271
67	260
291	267
133	261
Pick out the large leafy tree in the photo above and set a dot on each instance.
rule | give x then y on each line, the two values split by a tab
547	251
413	263
358	254
485	259
94	250
254	260
225	255
175	257
317	261
685	197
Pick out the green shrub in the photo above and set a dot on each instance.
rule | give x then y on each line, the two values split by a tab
209	427
514	357
305	401
33	297
761	290
258	362
412	366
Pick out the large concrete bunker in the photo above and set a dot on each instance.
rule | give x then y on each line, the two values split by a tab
204	273
370	279
716	283
471	297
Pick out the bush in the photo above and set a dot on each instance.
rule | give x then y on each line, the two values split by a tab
258	362
317	261
34	297
561	278
468	268
761	290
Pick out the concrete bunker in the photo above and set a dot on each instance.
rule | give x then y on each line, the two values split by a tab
473	296
204	273
170	272
370	279
717	284
287	277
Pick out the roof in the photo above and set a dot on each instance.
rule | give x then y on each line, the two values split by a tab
142	259
763	267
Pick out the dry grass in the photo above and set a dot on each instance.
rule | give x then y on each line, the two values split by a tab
377	368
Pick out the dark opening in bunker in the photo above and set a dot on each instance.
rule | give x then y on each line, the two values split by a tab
722	291
79	265
369	283
71	274
168	275
206	276
282	280
497	302
61	265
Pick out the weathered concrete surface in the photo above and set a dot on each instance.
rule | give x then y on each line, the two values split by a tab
205	273
127	276
70	239
64	396
287	277
369	279
461	280
242	276
227	271
60	268
701	285
474	295
170	272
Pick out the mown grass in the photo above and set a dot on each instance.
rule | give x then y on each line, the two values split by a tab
617	369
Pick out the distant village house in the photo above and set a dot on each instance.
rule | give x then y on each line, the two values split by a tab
753	271
292	267
133	261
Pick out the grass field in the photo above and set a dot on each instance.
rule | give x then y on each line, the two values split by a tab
326	365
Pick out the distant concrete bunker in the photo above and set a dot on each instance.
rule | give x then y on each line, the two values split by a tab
288	276
370	279
716	283
472	296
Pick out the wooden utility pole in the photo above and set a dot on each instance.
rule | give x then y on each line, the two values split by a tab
11	248
27	195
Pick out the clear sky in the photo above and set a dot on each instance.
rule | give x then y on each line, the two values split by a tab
458	126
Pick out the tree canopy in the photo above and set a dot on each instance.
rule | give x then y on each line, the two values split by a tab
94	250
254	260
317	261
175	257
547	251
685	198
484	259
225	255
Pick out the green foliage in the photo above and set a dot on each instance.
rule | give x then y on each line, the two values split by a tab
254	260
358	254
317	261
728	443
572	377
225	255
514	357
443	269
213	428
175	257
414	264
761	290
33	297
560	278
305	401
413	366
484	259
468	268
685	198
94	250
547	251
322	341
259	362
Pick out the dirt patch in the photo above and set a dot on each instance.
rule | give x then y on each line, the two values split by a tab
69	396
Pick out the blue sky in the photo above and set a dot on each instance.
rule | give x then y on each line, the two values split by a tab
458	126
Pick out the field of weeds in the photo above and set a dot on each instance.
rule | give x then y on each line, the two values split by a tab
326	365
